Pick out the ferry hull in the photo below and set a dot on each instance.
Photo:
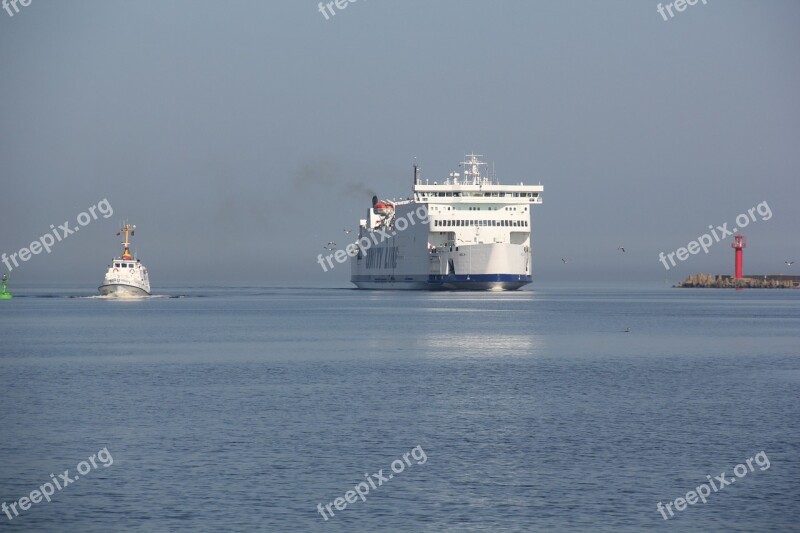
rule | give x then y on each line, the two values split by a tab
119	290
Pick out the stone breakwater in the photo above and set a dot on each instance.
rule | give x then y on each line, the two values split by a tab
774	281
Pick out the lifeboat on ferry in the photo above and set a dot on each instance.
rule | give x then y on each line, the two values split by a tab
384	207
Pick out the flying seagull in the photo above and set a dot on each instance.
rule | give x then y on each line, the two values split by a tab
621	248
789	263
565	261
348	231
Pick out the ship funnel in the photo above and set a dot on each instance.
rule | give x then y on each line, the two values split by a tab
374	200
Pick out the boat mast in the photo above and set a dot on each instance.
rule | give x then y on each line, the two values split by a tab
127	229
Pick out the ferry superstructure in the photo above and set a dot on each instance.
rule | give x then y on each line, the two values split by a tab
467	233
126	276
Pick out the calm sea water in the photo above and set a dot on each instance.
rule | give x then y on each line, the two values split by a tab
243	408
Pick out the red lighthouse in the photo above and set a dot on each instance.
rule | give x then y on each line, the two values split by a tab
739	243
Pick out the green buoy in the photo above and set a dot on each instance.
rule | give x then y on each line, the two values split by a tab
4	294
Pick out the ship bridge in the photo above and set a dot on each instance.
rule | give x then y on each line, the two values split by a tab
474	187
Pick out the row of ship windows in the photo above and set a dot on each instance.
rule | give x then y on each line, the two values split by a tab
124	265
507	208
502	223
475	208
487	194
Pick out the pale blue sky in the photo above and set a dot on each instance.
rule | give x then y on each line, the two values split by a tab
241	136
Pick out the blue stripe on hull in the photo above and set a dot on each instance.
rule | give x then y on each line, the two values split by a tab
475	282
460	278
480	282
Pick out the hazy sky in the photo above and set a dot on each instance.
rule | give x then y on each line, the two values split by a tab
241	136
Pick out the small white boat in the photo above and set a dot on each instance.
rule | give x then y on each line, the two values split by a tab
126	276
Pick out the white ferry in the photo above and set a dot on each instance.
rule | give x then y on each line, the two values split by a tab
474	234
126	276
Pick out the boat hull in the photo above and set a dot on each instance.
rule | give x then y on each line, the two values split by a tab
120	290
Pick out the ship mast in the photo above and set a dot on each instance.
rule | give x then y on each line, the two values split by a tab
127	229
472	168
